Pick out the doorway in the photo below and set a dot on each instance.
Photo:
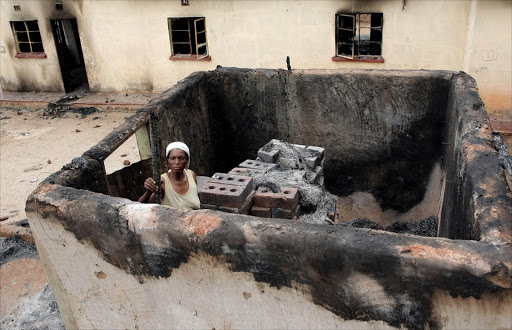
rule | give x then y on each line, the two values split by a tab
69	50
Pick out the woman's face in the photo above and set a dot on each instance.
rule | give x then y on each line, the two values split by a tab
177	160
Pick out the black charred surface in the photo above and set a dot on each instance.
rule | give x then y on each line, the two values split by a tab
81	173
426	227
13	248
476	201
126	181
95	218
382	131
329	260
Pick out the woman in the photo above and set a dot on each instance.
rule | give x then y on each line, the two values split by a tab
179	184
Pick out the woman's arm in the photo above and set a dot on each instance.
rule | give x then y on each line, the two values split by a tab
149	195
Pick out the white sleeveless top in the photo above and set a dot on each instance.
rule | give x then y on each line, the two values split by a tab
187	201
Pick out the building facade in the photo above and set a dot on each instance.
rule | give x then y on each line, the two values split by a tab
54	45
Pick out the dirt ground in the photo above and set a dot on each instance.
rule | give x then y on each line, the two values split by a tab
34	144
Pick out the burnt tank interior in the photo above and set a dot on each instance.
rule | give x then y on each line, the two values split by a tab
416	143
390	135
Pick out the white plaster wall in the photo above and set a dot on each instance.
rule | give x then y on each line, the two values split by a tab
490	57
132	51
28	74
204	293
126	43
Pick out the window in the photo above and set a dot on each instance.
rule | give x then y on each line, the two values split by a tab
27	38
188	38
359	37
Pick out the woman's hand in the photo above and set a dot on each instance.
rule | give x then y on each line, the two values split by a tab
150	185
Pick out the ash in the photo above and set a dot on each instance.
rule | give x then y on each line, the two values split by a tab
300	167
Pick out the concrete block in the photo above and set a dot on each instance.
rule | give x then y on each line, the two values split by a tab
262	212
249	163
268	156
281	213
299	147
232	179
271	144
318	150
286	214
312	162
246	171
288	162
201	181
223	194
287	199
208	206
244	209
316	174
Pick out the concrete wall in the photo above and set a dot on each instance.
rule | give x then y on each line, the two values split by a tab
116	263
95	287
30	74
126	43
474	181
489	54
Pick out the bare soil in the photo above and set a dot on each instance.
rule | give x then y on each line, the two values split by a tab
33	145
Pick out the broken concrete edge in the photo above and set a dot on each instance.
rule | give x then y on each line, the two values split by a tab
488	212
135	237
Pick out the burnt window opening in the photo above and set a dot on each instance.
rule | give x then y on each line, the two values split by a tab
27	37
188	37
359	36
59	6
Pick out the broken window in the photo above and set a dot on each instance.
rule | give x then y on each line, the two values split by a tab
27	37
188	37
359	36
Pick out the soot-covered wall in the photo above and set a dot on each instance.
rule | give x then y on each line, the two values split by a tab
353	273
382	129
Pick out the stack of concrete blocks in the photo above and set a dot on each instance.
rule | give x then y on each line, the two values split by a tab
228	193
234	192
313	157
267	204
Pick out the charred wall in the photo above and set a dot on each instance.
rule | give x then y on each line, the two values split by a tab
474	179
382	130
355	274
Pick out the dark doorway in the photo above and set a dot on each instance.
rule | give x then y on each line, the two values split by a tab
69	50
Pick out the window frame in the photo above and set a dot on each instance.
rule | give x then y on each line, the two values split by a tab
30	33
356	38
193	40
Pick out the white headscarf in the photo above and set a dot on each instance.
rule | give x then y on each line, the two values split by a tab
178	145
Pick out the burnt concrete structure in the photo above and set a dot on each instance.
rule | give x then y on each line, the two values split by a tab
113	262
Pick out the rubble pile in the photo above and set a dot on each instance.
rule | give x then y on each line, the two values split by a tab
285	181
